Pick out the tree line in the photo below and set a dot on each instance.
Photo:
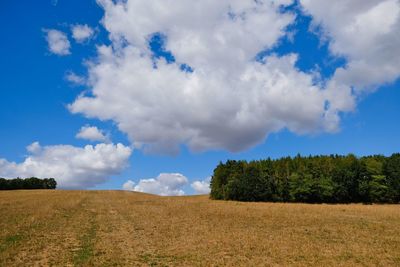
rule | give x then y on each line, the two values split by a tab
313	179
27	183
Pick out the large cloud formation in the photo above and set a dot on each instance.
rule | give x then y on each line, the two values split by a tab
366	33
227	99
73	167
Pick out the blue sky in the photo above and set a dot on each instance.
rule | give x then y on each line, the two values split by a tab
35	93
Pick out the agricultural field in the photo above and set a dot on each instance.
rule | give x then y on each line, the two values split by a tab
120	228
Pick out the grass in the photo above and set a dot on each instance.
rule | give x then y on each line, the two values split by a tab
9	241
86	248
116	228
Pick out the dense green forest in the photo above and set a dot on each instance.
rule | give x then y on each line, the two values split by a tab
313	179
28	183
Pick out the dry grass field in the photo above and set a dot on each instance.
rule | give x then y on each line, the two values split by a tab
116	228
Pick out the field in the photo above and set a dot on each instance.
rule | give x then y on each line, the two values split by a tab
117	228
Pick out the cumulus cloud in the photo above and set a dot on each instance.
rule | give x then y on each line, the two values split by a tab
34	148
82	33
57	42
129	185
73	167
92	133
165	184
228	101
168	184
202	187
366	34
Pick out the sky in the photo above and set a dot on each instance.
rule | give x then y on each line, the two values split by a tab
151	95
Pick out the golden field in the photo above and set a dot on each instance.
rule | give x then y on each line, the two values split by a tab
117	228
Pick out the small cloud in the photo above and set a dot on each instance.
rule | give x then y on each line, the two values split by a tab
82	33
34	148
58	42
92	133
202	187
75	79
129	185
165	184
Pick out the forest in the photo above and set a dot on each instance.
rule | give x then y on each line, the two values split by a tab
312	179
27	183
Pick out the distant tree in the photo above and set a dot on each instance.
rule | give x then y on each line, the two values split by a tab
222	174
3	184
323	189
251	185
378	189
50	183
391	170
312	179
27	183
17	183
300	187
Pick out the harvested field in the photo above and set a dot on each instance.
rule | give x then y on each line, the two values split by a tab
117	228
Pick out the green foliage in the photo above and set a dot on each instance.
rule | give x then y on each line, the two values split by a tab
300	187
249	185
28	183
378	188
86	249
391	168
313	179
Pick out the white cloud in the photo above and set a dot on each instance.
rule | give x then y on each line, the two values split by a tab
129	185
202	187
92	133
75	79
366	34
82	33
58	42
34	148
229	101
168	184
72	167
165	184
